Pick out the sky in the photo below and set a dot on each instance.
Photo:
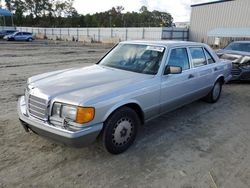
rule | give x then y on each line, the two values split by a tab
179	9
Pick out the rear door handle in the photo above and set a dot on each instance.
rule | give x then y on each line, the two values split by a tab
190	76
215	69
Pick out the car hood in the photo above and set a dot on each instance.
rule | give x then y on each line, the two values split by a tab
82	83
237	57
7	35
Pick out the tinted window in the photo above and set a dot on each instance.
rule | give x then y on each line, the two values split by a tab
209	57
18	34
179	57
245	47
198	56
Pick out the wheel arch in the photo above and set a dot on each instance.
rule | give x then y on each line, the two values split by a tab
131	104
220	78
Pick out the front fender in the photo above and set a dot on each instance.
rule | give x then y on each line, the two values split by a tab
118	105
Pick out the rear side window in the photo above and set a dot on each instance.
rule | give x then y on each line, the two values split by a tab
198	56
179	57
210	59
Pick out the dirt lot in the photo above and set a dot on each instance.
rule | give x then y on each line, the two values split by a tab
200	145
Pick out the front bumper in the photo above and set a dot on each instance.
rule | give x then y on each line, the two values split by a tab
77	138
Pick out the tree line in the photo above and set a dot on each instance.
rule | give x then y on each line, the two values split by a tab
61	13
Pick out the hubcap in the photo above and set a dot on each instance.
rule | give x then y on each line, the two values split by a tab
122	132
216	91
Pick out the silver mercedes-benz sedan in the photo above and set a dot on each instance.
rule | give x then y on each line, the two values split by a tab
133	83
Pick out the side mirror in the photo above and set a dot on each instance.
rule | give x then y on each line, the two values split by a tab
172	70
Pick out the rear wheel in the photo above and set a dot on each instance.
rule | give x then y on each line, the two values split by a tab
120	130
215	93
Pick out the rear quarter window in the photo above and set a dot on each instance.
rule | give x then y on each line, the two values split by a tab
209	57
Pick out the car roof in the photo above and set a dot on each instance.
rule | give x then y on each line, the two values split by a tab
23	32
166	43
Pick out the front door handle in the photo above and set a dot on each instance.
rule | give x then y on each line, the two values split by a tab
215	69
190	76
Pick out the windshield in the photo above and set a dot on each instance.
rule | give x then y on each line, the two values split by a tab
138	58
244	47
15	33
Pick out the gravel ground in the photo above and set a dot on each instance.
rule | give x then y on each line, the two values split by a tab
199	145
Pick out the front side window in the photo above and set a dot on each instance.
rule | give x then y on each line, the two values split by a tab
18	34
198	56
179	58
138	58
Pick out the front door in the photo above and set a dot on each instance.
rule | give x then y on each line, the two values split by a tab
19	36
177	89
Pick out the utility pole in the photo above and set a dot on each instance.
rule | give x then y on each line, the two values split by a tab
110	14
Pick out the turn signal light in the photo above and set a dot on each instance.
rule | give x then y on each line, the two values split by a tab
85	114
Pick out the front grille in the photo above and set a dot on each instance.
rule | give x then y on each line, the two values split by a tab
37	107
236	72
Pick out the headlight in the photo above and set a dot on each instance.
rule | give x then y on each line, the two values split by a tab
56	110
75	113
69	112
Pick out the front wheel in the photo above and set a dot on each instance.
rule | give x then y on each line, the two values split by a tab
214	95
120	130
29	39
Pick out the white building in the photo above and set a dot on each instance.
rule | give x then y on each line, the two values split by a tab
223	19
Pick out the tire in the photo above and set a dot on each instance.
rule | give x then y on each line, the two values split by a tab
120	130
214	95
29	39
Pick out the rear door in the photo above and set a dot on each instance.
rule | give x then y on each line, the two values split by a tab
202	70
26	35
177	89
